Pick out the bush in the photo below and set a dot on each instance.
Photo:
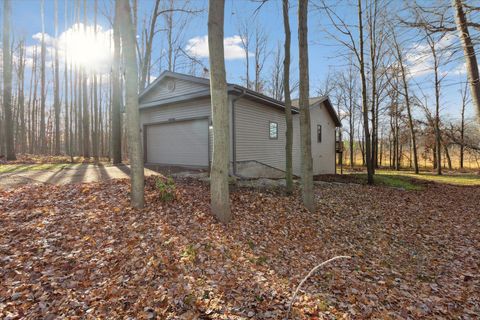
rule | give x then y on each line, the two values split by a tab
166	188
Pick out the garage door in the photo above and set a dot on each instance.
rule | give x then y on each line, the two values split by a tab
178	143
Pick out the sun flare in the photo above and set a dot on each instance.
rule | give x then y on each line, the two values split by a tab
83	47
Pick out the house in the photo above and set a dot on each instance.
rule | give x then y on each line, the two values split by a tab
175	116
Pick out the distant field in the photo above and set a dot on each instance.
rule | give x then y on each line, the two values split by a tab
408	180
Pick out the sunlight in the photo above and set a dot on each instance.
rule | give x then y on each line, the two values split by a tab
82	47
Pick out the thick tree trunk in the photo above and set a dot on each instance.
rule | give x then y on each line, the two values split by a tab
469	53
288	102
219	190
305	130
116	117
364	99
7	82
133	115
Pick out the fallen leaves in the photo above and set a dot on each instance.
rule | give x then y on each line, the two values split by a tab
80	251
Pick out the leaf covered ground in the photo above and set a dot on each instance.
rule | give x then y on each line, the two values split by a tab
79	251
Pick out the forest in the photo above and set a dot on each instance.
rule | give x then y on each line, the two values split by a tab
91	229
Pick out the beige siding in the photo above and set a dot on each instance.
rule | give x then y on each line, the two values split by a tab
252	134
323	153
186	110
181	87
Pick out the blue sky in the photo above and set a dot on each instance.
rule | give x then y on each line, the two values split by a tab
325	53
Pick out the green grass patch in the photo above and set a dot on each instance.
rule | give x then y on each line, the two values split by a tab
461	179
392	181
8	168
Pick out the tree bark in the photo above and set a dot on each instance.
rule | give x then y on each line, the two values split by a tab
7	82
305	130
133	115
469	53
43	141
219	189
288	102
116	125
364	99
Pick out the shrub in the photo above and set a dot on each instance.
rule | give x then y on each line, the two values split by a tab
166	189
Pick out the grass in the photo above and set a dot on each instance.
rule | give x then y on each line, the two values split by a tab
408	180
462	179
8	168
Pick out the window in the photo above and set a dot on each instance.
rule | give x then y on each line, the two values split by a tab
273	130
319	133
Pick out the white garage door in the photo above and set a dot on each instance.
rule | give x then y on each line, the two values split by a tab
178	143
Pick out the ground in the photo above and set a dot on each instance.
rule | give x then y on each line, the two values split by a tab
13	175
83	252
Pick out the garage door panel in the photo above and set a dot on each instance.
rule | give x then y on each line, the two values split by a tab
178	143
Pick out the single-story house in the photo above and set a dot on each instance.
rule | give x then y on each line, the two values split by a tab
175	116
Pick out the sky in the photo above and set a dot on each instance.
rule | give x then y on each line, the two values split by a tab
325	53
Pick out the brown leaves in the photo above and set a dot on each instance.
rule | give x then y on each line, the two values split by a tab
81	251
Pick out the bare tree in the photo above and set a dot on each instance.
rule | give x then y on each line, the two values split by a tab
7	82
469	53
358	50
261	55
305	130
245	35
133	115
399	56
220	202
43	140
288	102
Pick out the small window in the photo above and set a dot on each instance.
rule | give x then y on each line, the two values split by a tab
273	130
319	133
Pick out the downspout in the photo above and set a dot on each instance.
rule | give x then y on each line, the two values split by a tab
234	135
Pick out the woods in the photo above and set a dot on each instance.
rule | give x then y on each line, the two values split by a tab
256	159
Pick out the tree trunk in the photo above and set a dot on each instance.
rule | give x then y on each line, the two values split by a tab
305	130
288	102
43	140
469	53
116	117
364	99
133	115
220	200
7	82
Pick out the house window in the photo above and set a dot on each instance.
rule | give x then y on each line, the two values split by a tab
273	130
319	133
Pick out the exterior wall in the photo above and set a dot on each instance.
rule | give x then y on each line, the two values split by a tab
178	111
252	134
323	153
161	91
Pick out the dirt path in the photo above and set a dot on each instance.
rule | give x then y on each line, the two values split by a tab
70	174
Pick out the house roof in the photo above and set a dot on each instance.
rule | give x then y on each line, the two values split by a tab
236	90
231	88
315	101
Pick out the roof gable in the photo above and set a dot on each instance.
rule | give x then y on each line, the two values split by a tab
171	84
315	101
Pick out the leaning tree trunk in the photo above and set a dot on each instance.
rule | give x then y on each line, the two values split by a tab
288	102
7	82
305	130
469	53
220	201
133	115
